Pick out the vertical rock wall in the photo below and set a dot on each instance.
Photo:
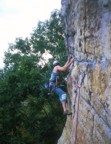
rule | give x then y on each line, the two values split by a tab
88	40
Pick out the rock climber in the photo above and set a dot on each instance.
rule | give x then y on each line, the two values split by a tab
57	69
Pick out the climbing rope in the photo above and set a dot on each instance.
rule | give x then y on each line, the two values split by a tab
77	115
78	102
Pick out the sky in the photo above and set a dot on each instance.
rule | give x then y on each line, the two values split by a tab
19	17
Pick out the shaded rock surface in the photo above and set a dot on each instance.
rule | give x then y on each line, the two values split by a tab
88	40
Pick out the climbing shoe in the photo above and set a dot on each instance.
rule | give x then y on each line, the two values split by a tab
67	113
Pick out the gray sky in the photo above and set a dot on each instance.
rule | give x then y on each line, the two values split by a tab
19	17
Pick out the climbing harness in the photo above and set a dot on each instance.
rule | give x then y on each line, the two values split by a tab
51	88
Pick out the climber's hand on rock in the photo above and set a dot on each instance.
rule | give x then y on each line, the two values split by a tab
70	57
79	86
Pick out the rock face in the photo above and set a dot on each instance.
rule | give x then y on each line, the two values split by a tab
88	40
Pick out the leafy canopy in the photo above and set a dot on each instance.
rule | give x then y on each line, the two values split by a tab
27	114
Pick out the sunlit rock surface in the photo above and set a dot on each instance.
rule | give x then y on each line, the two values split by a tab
88	40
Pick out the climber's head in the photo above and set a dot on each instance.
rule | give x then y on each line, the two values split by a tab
55	63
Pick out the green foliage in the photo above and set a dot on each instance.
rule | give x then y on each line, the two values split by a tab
49	35
28	115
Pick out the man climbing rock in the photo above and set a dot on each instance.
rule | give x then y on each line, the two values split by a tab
57	69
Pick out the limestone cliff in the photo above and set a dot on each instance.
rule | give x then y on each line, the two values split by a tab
88	40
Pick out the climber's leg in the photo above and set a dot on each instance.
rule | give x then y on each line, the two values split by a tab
64	106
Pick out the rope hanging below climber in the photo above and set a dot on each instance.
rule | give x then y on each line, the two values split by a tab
77	91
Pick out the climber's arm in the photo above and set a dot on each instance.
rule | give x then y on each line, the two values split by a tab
65	67
68	61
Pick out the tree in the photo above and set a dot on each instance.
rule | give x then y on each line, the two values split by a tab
49	35
27	113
